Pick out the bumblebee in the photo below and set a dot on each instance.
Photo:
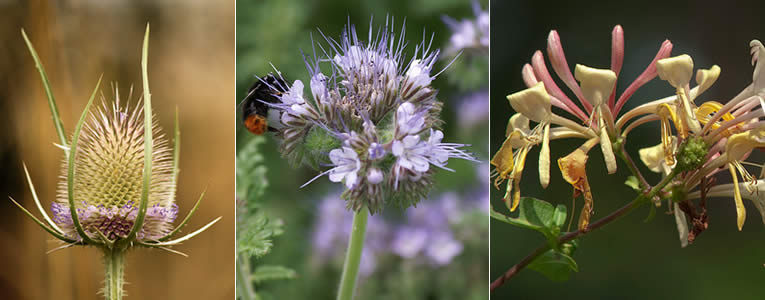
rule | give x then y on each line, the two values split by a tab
256	108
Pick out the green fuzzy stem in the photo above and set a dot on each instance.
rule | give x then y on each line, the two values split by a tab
114	263
353	258
244	288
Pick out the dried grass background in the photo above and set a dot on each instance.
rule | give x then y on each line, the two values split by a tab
191	66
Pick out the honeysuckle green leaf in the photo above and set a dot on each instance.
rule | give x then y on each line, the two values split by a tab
48	91
537	215
554	265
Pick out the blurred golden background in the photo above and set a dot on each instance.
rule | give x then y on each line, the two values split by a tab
191	66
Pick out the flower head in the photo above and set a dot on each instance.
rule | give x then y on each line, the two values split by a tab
374	119
118	178
108	175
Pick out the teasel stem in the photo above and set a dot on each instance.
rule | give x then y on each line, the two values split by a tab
244	288
114	263
353	257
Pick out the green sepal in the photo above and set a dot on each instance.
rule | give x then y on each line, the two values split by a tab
633	183
318	142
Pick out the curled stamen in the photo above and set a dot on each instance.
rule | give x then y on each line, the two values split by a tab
666	113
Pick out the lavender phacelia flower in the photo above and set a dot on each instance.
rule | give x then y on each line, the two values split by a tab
374	119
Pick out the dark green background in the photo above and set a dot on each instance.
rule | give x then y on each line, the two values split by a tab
628	259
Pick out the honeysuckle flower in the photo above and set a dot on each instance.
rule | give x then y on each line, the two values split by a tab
596	87
728	132
678	71
595	92
373	107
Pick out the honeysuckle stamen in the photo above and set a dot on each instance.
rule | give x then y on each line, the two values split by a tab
667	114
706	109
725	126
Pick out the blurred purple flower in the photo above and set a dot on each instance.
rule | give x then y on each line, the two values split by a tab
473	108
469	33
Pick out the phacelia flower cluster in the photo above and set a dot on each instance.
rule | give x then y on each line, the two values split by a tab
698	140
372	117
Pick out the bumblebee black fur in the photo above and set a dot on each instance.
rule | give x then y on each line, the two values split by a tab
254	110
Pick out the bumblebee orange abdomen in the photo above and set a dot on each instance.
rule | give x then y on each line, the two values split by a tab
256	124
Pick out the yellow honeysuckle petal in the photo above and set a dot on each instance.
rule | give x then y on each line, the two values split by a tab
544	158
517	123
533	102
739	144
677	70
572	166
608	151
705	78
596	84
503	159
740	209
653	157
